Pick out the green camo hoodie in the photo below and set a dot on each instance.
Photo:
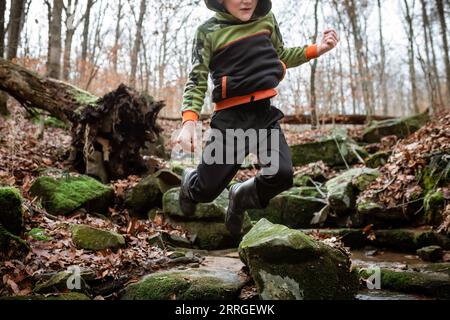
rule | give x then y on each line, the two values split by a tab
246	60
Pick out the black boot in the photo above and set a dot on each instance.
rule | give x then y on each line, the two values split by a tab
242	196
187	205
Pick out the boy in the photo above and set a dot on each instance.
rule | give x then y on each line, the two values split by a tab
242	48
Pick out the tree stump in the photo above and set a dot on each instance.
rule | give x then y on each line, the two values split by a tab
107	133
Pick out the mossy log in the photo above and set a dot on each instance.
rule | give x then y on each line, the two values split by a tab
107	132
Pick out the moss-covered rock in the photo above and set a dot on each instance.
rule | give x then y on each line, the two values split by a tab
287	264
58	284
197	284
333	151
401	128
431	284
62	196
69	296
214	211
294	208
343	190
11	245
409	240
377	160
431	253
434	204
86	237
381	217
11	214
144	196
209	235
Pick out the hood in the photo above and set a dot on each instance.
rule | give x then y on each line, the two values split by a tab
262	9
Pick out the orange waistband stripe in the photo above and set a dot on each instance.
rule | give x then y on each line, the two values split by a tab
312	52
255	96
190	116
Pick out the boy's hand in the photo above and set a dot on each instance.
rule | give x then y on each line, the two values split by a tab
186	138
329	41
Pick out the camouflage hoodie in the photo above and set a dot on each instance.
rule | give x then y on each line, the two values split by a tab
246	60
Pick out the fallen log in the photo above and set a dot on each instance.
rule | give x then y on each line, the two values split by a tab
107	132
353	119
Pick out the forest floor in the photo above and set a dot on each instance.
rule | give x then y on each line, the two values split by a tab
23	157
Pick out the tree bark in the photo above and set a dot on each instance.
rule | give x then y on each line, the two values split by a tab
71	27
85	42
54	64
115	51
2	27
14	30
361	57
441	13
383	82
107	133
137	43
314	122
412	56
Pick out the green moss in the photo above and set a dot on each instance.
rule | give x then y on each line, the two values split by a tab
434	204
58	283
294	208
200	284
377	160
11	214
62	196
38	234
401	127
213	211
432	284
70	296
144	196
89	238
288	264
409	240
11	243
334	152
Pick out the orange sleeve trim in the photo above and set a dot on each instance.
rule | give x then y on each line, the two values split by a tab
312	52
190	116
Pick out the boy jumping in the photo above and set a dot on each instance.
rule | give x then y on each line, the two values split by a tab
243	50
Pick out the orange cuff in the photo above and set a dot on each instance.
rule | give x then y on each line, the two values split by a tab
312	52
190	116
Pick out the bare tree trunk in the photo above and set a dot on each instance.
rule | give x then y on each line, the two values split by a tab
361	57
385	106
54	63
85	41
137	43
98	147
441	12
412	55
428	70
14	30
117	36
71	27
2	27
314	119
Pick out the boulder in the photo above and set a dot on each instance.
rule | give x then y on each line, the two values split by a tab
287	264
401	127
295	208
431	253
333	151
207	226
62	196
343	190
144	196
11	214
377	160
191	284
434	204
86	237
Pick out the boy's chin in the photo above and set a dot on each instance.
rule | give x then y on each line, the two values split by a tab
244	18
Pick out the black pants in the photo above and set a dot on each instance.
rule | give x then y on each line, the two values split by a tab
210	180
